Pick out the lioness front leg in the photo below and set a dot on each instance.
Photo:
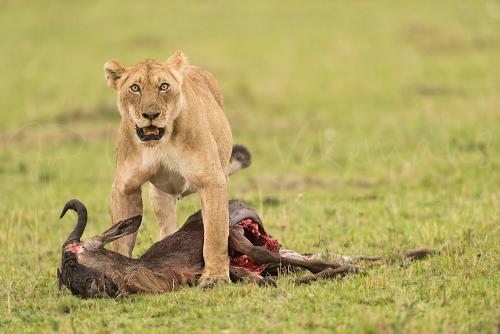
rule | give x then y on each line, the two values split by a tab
214	208
163	206
125	204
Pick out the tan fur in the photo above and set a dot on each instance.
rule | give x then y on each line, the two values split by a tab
192	156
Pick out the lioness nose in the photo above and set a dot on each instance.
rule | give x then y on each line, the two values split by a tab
150	116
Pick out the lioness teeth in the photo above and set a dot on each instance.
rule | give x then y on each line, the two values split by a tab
151	130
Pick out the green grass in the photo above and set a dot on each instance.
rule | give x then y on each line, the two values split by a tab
375	128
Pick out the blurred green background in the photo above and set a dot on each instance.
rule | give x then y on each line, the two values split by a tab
374	127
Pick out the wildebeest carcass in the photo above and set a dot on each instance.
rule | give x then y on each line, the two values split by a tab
90	270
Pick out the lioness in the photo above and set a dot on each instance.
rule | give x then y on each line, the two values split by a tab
174	135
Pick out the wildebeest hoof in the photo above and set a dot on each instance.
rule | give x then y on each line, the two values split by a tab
269	281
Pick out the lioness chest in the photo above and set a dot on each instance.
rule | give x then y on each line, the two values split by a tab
165	170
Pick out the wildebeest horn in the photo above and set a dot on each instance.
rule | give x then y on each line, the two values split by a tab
81	210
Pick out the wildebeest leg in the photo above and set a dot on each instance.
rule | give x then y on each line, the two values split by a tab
422	253
238	274
259	255
329	273
416	254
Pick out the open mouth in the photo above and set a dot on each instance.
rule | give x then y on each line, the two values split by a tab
149	133
258	237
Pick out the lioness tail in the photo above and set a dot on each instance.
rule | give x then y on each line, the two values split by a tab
240	158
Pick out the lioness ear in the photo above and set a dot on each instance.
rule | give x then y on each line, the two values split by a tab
177	61
113	70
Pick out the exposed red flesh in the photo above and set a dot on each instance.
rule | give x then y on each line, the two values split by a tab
262	239
74	248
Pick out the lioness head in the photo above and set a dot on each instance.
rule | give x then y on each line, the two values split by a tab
149	95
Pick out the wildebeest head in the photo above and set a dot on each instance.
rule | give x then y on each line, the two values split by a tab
79	278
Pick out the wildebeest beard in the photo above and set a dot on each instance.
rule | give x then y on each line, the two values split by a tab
83	281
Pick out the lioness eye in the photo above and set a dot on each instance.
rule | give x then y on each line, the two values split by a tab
135	88
164	87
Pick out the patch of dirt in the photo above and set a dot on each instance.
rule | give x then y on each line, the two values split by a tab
435	90
72	126
271	201
363	184
433	41
98	113
288	182
36	135
297	183
145	41
486	43
363	198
